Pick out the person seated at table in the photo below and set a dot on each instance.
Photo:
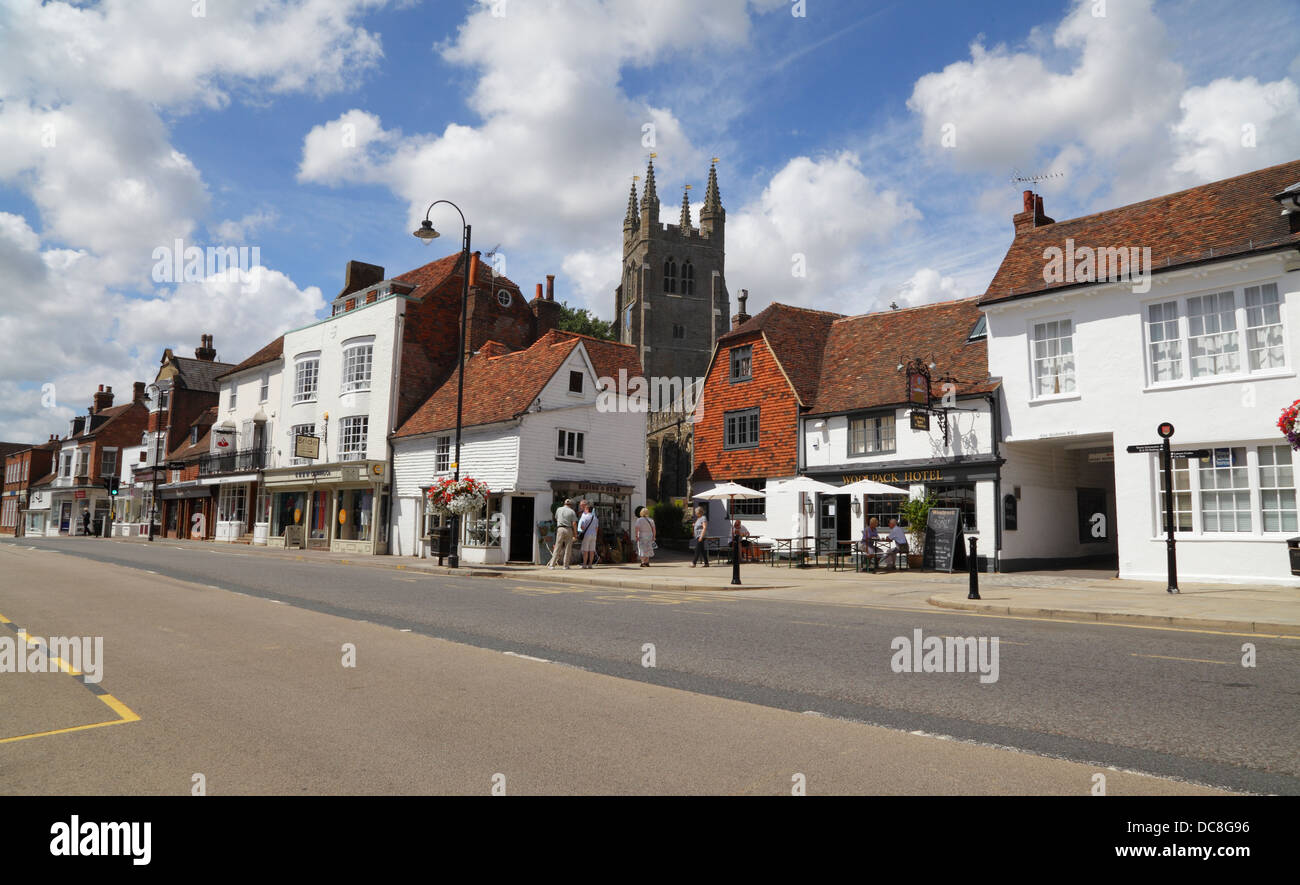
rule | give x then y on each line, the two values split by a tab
899	537
871	540
738	530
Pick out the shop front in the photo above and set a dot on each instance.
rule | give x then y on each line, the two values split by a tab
37	514
613	507
968	486
338	507
187	510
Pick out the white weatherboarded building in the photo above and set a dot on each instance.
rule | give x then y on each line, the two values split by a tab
534	432
1204	338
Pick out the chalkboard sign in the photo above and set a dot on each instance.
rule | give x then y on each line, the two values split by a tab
943	545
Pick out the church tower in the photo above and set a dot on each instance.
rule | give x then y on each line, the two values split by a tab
672	302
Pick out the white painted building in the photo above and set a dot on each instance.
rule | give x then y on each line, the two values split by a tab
1207	341
535	432
244	442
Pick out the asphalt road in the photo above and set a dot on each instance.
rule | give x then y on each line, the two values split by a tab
1172	703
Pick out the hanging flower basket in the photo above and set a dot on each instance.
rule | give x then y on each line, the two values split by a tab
1286	424
462	496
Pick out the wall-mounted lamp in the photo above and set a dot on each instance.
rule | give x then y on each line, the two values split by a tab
808	506
857	506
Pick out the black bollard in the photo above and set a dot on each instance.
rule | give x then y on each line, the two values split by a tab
974	572
735	557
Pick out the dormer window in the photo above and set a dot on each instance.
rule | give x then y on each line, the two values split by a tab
980	330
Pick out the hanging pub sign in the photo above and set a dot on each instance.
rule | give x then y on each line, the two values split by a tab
306	446
918	387
920	420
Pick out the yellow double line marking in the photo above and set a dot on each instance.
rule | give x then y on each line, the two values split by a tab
124	713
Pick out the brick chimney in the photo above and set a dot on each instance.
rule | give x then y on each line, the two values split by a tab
546	312
103	399
1033	215
137	394
741	316
359	275
205	351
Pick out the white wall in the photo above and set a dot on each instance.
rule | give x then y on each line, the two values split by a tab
1114	396
382	319
248	403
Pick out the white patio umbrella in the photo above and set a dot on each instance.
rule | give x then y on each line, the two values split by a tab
730	491
870	487
808	486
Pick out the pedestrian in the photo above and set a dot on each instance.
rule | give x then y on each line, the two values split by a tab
899	537
700	532
566	522
85	521
588	531
645	532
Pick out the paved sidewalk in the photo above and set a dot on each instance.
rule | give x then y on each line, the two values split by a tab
1067	595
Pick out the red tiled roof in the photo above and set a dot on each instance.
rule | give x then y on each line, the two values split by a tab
191	451
108	414
797	336
1235	216
45	480
859	367
498	388
432	275
269	353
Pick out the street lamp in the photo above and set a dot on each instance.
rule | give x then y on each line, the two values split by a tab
428	234
155	392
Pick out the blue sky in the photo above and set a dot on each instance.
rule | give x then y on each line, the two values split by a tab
319	130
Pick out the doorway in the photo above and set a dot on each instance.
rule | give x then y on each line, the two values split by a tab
65	518
521	529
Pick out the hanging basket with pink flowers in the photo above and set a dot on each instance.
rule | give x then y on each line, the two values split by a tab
464	495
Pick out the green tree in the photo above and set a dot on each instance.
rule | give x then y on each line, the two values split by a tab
580	320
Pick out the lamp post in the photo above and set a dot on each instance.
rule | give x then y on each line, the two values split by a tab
159	442
428	234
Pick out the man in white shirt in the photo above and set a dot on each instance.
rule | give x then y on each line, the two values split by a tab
565	523
899	537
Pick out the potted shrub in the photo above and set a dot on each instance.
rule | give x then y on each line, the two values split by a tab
915	513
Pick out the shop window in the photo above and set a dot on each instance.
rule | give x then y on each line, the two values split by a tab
232	504
960	496
884	508
1277	498
1225	491
484	528
355	514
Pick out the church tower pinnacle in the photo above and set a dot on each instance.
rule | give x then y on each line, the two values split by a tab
650	197
685	221
630	221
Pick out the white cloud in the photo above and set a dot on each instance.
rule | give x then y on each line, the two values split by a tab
232	231
83	94
927	286
1120	121
824	214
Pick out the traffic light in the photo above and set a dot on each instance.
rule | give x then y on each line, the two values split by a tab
111	483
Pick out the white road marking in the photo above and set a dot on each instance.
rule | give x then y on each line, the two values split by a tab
527	657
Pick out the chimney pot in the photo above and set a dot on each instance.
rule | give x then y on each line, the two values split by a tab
550	287
539	291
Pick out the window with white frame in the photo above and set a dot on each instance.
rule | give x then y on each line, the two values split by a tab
569	445
1182	496
1165	341
871	435
1264	342
1225	491
353	445
66	469
107	462
83	461
356	366
304	383
1212	342
442	454
234	395
264	393
296	431
1053	358
232	503
1277	498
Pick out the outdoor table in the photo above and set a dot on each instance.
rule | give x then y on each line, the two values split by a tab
792	550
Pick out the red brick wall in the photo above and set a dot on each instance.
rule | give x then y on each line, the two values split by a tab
121	432
777	451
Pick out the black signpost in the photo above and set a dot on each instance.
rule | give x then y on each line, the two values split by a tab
1167	456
